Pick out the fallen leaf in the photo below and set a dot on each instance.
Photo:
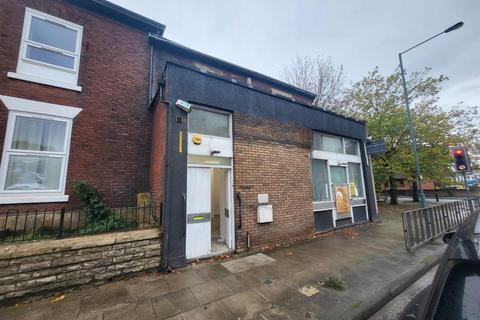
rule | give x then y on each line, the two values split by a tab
58	298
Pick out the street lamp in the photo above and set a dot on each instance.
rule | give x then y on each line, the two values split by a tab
409	114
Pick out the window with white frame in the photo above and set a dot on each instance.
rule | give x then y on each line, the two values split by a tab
209	123
356	180
35	154
320	181
49	50
328	143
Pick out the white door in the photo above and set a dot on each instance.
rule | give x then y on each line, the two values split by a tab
198	235
229	228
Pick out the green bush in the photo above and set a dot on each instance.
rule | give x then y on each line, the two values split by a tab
99	217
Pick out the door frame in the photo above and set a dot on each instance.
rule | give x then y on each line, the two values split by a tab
229	171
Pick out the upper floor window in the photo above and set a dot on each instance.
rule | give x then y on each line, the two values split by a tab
209	123
49	50
323	142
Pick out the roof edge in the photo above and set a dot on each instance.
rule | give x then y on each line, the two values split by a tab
232	66
121	14
261	91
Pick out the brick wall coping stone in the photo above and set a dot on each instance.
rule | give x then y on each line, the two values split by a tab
17	250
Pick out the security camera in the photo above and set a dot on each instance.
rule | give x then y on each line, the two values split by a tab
185	106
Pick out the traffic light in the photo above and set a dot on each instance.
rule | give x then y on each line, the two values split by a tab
460	158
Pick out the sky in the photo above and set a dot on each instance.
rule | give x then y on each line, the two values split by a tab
266	35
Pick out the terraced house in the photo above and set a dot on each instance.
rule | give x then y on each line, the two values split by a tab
237	160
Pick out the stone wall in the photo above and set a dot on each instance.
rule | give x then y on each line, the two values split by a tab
37	268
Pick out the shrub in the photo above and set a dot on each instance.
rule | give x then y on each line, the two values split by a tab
99	217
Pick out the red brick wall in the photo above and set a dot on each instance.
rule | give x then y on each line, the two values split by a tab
272	157
111	137
159	143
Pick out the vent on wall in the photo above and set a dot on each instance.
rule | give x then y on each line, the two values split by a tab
283	94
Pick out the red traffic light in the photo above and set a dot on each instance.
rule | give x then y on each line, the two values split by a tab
458	152
460	159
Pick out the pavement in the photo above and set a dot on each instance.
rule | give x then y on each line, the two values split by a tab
284	283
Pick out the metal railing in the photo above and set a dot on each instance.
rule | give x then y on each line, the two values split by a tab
423	225
36	224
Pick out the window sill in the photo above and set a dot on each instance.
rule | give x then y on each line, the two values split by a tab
48	82
31	198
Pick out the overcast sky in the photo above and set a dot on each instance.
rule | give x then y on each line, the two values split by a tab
266	35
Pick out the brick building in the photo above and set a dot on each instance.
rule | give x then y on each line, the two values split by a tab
238	160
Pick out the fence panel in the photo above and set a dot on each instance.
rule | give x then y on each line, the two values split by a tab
36	224
423	225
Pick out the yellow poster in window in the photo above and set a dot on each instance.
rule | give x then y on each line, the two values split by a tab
353	189
342	199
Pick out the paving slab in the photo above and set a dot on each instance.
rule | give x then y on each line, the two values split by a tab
248	262
210	291
212	311
246	304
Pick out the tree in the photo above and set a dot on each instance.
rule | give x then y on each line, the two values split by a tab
379	101
318	75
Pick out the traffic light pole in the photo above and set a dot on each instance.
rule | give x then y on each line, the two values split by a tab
423	201
470	205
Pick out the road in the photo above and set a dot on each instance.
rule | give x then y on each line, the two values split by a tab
404	199
393	309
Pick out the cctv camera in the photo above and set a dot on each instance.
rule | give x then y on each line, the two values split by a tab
185	106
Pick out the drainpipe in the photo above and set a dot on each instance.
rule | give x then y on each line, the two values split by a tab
240	210
150	74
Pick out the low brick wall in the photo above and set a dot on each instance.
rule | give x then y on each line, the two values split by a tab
36	268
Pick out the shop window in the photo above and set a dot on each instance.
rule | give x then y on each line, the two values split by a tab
320	182
355	179
351	147
209	123
49	50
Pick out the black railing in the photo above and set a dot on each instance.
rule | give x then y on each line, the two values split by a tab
423	225
49	223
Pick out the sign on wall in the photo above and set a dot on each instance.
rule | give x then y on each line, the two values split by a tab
375	147
342	199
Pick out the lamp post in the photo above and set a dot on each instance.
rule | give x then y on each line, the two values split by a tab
409	113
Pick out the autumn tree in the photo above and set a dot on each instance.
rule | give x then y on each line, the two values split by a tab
318	75
378	100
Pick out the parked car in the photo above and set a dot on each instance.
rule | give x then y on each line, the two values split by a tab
455	290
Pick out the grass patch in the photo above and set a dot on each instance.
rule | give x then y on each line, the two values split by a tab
335	282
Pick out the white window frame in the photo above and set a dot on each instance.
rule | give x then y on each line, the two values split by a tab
39	110
42	72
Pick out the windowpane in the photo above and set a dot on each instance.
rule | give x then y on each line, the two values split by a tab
33	173
320	180
351	147
209	123
461	293
52	34
317	141
39	134
332	144
356	181
51	57
339	175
